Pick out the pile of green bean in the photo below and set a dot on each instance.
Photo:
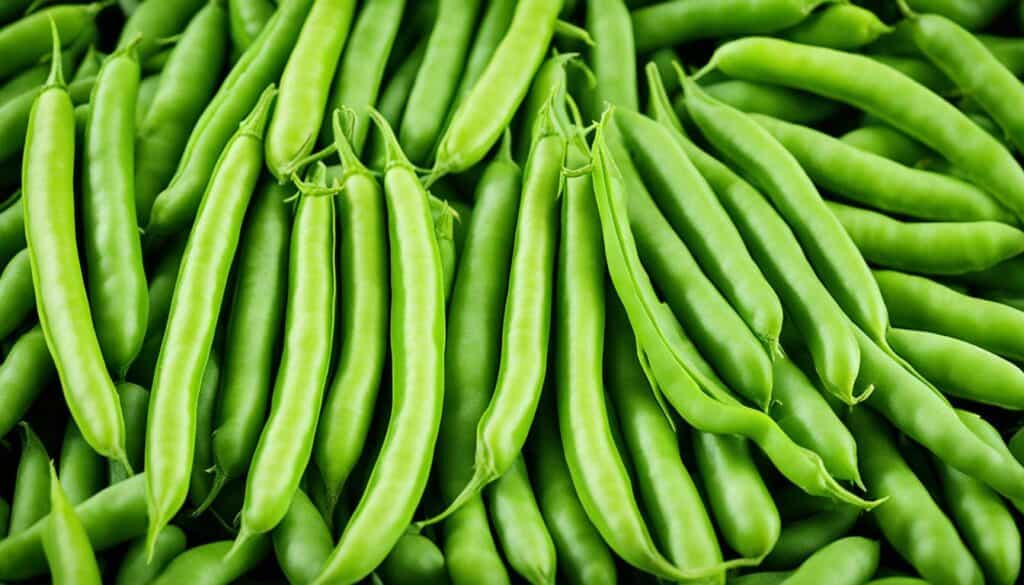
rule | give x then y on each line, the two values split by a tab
483	292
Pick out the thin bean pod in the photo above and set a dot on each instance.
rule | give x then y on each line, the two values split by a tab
66	543
26	369
200	480
17	298
612	56
846	27
31	499
134	403
519	526
82	470
247	19
497	14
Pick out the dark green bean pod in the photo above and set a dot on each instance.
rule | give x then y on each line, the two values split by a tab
200	484
5	518
26	369
82	470
134	404
247	18
840	26
415	560
520	527
794	106
972	14
17	298
31	498
802	538
26	41
392	100
1007	277
210	564
612	55
68	552
497	15
12	229
302	541
162	278
137	568
847	561
34	77
156	20
13	10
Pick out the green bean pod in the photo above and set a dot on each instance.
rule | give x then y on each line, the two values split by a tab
800	539
897	581
191	323
847	561
302	541
305	86
497	14
519	526
200	484
846	27
163	277
210	564
66	543
137	569
12	229
247	19
794	106
1006	277
25	42
888	94
35	77
15	117
415	560
148	87
26	369
31	500
61	301
134	403
305	361
186	84
156	20
391	102
910	520
482	116
921	71
82	470
400	473
253	333
17	298
972	14
612	55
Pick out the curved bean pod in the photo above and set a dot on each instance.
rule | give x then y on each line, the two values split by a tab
840	26
17	298
247	19
30	500
519	526
780	102
66	543
210	564
82	469
137	569
26	369
847	561
26	41
302	541
157	20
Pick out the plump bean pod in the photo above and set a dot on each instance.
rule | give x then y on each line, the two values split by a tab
137	569
83	471
148	88
871	179
886	93
950	247
134	404
306	85
61	301
200	484
706	407
363	317
802	538
921	303
787	104
302	541
415	560
718	329
972	14
833	254
802	411
672	23
35	77
27	41
305	361
1008	50
847	561
519	526
114	515
157	20
210	564
482	116
191	323
612	55
495	20
846	27
358	80
186	84
12	229
552	79
247	19
66	543
26	370
910	520
436	81
921	71
113	251
1006	277
176	206
392	100
17	299
31	498
400	473
163	277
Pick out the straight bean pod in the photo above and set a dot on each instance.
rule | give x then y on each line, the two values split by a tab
200	479
155	20
26	370
846	27
31	499
66	543
519	526
17	297
134	403
887	142
15	116
798	107
613	55
972	14
247	19
302	541
495	20
164	275
83	471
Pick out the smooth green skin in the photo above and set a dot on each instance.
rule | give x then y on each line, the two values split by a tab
743	509
12	229
17	298
444	232
832	253
113	250
974	69
1006	277
136	569
114	515
848	561
779	255
392	100
30	500
363	320
82	470
417	335
200	479
187	83
174	209
771	100
942	248
886	93
693	210
612	56
286	443
247	19
49	198
519	526
192	321
471	365
253	332
26	41
551	80
481	118
1008	50
66	543
804	537
972	14
361	71
845	27
14	116
162	279
489	31
909	519
707	407
302	541
155	20
762	578
35	77
583	556
25	371
415	560
986	524
306	85
802	411
920	303
148	88
871	179
921	71
210	564
673	23
437	79
134	404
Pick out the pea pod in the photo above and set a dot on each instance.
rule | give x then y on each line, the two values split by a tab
200	484
886	142
26	41
82	470
210	564
971	14
157	20
838	26
415	560
247	19
137	569
519	526
497	15
66	543
612	55
163	275
31	499
302	541
798	107
847	561
26	369
800	539
12	229
17	299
